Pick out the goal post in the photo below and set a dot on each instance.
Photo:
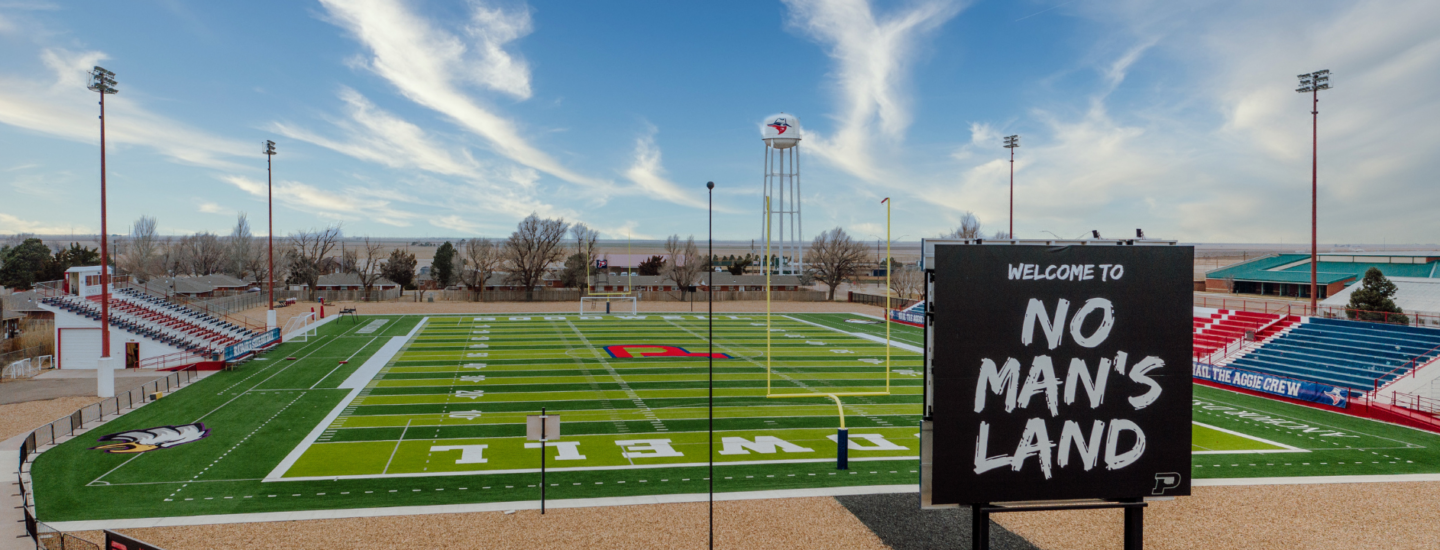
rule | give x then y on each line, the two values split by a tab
598	304
295	328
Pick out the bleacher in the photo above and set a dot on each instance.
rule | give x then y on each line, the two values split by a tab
1226	327
1343	353
159	320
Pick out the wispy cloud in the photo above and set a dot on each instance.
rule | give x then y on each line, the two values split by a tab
648	174
351	204
429	66
872	55
62	107
12	224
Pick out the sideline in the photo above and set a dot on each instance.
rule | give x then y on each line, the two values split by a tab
90	525
356	383
892	342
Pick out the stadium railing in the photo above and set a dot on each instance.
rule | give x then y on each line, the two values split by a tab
1410	318
53	433
896	302
1409	368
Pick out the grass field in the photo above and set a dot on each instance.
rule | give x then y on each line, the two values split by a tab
438	418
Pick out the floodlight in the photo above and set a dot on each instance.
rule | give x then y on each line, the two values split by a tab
269	147
1095	232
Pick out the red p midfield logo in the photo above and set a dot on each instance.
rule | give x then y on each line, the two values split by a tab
624	351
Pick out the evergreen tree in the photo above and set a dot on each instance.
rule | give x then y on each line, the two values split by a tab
1373	300
24	263
400	269
442	268
651	266
573	276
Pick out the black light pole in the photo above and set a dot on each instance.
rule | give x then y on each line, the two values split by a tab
710	322
1011	142
270	233
1313	83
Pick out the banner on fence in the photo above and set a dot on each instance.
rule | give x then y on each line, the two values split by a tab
913	315
1314	392
264	339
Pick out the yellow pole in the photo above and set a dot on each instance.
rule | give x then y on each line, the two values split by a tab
766	263
839	408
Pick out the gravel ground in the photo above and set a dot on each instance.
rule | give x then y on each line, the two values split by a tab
1335	516
284	314
897	520
753	524
18	418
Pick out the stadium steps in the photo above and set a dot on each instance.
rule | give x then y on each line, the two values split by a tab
1344	353
1225	327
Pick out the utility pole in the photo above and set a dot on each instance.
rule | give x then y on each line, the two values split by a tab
1313	83
103	81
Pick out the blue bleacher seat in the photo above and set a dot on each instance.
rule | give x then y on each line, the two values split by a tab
1343	353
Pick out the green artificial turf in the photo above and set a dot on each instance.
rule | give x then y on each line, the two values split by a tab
394	443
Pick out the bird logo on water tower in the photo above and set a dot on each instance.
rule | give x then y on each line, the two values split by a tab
781	228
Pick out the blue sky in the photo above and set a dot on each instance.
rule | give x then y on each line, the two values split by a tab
457	119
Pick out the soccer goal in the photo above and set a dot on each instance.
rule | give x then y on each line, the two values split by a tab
298	328
602	304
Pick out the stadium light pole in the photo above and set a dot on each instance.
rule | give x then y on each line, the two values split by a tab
103	82
710	338
270	322
1312	83
1011	142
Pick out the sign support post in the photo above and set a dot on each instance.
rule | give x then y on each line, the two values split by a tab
542	428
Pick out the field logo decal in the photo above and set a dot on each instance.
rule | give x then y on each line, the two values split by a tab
623	351
163	437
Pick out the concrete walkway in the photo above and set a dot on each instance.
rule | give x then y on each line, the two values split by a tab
70	383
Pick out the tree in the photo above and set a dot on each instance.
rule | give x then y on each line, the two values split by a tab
905	281
531	249
307	254
442	267
240	250
368	267
835	257
23	263
1373	300
482	258
141	258
969	227
200	254
1000	236
737	267
651	267
66	258
573	275
400	269
685	263
585	238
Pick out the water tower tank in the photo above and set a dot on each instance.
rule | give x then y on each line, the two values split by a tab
781	131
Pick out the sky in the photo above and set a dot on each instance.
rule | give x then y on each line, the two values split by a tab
458	119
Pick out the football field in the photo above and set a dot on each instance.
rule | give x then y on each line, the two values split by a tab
395	411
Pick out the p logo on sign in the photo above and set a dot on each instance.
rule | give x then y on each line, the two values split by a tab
1164	482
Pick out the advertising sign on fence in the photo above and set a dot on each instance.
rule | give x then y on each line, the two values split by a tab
913	315
1315	392
264	339
117	541
1059	372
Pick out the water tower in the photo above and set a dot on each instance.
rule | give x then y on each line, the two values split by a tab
781	134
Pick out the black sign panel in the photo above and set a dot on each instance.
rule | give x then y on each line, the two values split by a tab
117	541
1060	373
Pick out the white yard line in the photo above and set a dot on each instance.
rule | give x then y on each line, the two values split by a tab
468	508
830	460
361	378
1283	447
892	342
347	360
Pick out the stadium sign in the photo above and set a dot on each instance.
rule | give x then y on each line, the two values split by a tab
241	349
1314	392
913	315
1057	372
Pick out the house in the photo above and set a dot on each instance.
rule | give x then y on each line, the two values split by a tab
351	281
202	286
723	281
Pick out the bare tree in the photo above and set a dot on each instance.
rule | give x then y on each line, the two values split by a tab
1000	236
479	262
906	282
585	238
969	227
240	249
200	254
684	263
368	264
834	258
141	258
307	255
531	249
